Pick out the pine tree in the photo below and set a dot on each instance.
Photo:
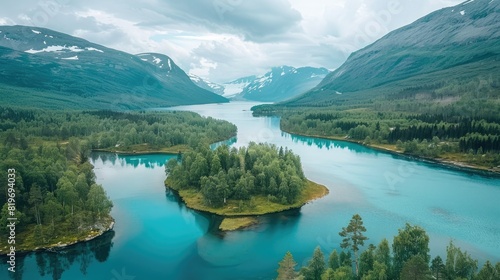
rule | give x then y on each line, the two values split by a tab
353	237
333	260
286	270
316	266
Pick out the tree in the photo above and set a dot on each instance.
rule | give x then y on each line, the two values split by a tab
459	264
353	237
343	273
286	270
333	260
437	268
411	241
316	266
415	269
489	272
36	200
379	272
329	274
98	202
383	254
366	260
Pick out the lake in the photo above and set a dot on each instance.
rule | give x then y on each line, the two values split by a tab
156	237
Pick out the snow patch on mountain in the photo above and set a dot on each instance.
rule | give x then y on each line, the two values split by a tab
71	58
94	49
56	49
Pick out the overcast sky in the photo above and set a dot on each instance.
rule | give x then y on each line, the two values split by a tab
226	39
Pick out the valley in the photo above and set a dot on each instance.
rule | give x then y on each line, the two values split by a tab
182	141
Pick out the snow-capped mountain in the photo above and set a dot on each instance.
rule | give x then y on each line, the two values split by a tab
282	83
236	87
43	62
204	84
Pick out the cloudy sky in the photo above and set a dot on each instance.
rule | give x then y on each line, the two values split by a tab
226	39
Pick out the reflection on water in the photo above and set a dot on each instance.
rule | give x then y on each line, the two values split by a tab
54	262
149	161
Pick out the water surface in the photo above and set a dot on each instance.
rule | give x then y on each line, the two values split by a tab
156	237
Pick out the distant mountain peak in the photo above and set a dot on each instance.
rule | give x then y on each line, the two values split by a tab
283	82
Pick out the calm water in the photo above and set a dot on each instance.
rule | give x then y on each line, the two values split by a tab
156	237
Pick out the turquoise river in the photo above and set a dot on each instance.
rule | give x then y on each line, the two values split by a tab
156	237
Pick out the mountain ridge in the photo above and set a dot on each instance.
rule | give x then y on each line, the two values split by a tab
446	40
38	60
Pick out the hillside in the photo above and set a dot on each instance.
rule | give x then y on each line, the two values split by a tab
44	68
446	49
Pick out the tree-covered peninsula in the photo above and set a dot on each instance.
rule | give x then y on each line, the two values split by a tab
48	184
253	180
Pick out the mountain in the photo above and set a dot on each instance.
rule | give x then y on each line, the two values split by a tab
236	87
282	83
451	45
44	68
204	84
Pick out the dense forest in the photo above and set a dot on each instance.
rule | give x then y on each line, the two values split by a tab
56	196
239	174
409	259
445	133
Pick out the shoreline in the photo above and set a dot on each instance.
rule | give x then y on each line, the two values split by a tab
249	214
53	247
134	153
456	165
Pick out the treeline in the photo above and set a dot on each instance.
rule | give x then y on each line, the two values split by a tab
56	196
477	139
408	259
55	193
107	129
239	174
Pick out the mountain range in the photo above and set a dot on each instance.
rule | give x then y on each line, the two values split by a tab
45	68
451	45
279	84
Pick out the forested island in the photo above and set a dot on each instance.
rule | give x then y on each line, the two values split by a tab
249	181
44	158
409	259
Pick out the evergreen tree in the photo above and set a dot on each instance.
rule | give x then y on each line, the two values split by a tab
316	266
333	260
437	268
286	270
353	238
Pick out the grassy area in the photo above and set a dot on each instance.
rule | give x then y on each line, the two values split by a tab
230	224
25	241
258	205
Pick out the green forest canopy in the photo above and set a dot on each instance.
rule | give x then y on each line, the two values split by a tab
57	197
408	259
240	174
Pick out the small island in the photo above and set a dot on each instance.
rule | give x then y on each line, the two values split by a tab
241	184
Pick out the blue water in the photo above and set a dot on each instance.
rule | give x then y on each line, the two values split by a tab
156	237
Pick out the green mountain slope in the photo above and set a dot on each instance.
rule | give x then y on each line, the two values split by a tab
45	63
450	47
